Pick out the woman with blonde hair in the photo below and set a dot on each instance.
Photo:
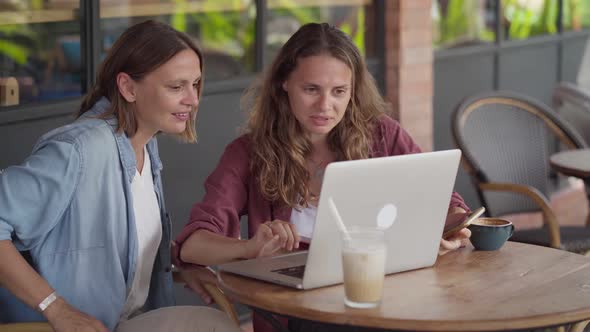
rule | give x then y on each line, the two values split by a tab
316	104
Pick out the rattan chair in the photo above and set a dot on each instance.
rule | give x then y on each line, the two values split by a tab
572	103
216	294
506	139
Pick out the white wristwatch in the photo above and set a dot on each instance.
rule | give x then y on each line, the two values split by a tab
47	301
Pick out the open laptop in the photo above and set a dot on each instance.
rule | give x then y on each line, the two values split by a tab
419	186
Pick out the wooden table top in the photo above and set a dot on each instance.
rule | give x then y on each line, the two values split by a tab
572	162
518	286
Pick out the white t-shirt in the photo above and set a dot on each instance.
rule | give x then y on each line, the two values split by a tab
304	220
149	234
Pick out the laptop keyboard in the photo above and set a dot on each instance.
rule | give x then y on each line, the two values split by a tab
293	271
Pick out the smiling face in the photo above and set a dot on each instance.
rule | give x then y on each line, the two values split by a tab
166	96
319	90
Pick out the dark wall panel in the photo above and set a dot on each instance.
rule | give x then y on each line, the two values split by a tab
454	79
572	54
17	139
529	69
187	165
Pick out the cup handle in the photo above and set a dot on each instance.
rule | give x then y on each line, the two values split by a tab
511	231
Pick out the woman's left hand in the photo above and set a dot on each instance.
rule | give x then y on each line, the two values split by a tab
454	242
195	277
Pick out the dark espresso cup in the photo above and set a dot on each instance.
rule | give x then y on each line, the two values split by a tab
490	233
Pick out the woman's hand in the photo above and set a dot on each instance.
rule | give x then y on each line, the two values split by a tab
458	239
271	237
63	317
454	242
288	237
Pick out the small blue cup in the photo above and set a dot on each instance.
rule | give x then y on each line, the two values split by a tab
490	233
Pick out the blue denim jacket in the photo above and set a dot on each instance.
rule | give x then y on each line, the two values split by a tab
69	204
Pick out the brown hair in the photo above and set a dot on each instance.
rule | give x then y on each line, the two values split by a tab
279	144
140	50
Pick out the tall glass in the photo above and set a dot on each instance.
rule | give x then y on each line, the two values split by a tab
363	264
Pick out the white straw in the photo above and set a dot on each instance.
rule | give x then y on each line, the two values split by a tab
338	218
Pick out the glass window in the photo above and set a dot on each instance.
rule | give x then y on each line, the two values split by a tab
39	51
523	19
224	29
458	23
576	14
355	17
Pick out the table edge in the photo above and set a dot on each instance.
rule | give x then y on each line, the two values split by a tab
534	321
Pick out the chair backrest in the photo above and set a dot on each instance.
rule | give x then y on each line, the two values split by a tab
572	103
508	138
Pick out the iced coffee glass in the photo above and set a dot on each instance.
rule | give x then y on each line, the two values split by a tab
363	267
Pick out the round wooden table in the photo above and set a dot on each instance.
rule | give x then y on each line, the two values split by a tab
574	163
519	286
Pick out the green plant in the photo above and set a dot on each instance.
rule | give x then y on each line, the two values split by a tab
228	26
547	22
524	21
462	22
576	14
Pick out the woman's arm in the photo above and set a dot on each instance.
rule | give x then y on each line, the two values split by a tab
26	284
211	235
206	248
33	196
20	278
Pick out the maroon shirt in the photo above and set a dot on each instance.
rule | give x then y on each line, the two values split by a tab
232	191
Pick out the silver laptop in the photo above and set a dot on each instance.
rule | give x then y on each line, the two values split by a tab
409	195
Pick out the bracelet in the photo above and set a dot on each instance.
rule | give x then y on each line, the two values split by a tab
47	301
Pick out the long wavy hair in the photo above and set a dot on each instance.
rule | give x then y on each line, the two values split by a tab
279	144
140	50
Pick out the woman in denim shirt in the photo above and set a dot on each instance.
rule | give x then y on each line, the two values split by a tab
87	205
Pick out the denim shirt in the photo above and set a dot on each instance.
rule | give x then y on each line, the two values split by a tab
69	205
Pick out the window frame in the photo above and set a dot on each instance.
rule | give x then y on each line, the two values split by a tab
90	45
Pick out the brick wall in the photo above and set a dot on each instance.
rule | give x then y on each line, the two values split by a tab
408	65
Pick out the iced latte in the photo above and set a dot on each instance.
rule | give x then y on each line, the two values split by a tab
363	264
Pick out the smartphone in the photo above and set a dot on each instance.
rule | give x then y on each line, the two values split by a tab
461	221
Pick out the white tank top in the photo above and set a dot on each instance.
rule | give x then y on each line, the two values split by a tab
304	220
149	234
